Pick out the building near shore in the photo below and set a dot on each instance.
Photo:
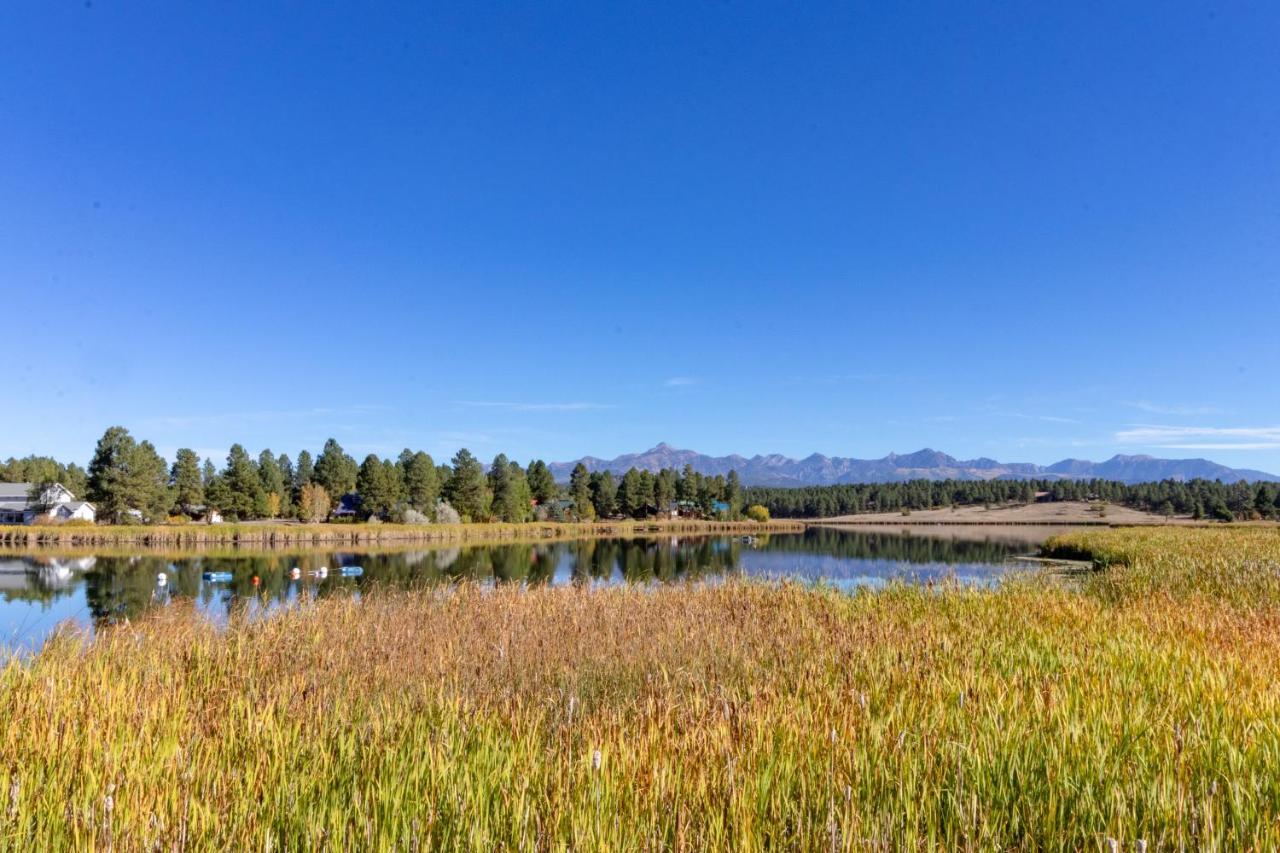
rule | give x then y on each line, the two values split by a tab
55	503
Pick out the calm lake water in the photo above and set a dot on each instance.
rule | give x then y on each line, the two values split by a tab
37	593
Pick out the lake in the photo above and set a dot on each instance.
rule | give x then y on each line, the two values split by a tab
40	591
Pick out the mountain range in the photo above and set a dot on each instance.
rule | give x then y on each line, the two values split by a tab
819	470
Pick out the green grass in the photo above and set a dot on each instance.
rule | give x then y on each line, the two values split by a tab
738	716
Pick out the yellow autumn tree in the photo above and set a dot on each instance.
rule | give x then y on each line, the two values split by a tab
314	503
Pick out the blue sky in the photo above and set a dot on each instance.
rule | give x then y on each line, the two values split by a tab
1022	231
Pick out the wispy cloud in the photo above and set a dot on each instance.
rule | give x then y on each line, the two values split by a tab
261	416
462	438
1160	409
535	407
680	382
1202	438
1051	419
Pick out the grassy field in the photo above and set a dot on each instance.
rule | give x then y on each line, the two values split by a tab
1141	703
1055	512
266	534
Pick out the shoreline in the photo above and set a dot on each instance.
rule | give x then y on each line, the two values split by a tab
305	535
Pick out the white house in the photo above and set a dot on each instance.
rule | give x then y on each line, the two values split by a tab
16	506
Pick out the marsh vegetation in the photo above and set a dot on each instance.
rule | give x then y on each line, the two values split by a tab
1140	704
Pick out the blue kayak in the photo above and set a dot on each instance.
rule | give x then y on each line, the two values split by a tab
351	571
217	577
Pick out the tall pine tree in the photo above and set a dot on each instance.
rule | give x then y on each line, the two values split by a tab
466	489
580	492
188	484
335	470
421	482
243	484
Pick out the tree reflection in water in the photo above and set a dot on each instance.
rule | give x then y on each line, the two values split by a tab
117	588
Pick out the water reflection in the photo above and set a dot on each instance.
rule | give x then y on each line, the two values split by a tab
39	592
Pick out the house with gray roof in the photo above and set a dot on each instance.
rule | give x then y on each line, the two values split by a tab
17	505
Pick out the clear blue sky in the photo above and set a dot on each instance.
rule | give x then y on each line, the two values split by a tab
1021	231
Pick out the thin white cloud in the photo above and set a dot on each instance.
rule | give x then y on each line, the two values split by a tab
680	382
1202	438
1026	416
1052	419
1160	409
535	407
1223	446
457	438
268	416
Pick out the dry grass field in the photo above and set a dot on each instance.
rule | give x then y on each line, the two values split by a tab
1059	513
1141	702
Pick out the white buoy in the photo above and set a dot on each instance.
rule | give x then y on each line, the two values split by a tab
162	579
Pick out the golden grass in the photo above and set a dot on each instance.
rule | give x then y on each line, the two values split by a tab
293	535
1237	565
733	716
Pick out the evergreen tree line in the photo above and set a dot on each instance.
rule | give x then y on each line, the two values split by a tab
129	480
1201	499
44	470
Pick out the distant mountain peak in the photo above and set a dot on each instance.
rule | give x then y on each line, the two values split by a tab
818	470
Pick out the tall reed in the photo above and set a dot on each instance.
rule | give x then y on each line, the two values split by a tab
734	716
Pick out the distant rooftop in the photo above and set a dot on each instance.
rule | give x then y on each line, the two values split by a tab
14	491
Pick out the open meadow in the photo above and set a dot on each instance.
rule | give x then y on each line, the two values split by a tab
1139	701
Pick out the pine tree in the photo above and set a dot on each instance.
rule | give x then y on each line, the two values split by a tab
499	478
541	482
149	483
689	485
395	481
272	479
335	470
377	495
733	493
304	473
512	498
109	477
630	501
580	492
421	482
188	484
287	475
648	487
466	489
243	484
604	494
664	489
